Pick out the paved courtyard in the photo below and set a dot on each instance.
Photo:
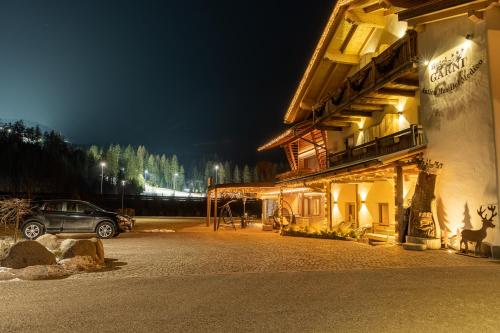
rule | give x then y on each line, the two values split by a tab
247	280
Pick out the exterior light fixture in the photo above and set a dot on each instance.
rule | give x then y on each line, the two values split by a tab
426	62
469	36
103	165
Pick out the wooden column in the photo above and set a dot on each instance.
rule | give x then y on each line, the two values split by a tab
328	205
280	207
399	203
209	206
215	209
358	206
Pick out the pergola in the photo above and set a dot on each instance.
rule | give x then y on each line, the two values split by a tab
243	190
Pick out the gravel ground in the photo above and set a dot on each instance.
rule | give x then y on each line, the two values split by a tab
248	280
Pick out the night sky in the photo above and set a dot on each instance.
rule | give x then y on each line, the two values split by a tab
187	77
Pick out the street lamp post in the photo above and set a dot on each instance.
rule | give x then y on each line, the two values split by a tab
103	165
216	173
123	193
175	180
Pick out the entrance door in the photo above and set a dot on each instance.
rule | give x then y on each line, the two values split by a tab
350	213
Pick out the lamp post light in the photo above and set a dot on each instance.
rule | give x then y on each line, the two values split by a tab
103	165
123	192
216	173
175	180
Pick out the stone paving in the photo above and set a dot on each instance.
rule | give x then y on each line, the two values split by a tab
200	251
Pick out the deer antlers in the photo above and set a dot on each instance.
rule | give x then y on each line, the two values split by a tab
491	208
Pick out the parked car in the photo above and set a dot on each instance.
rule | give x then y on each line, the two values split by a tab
73	216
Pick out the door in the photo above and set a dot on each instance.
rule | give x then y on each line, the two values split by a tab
79	217
53	212
350	213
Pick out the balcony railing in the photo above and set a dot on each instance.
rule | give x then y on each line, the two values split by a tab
387	66
399	141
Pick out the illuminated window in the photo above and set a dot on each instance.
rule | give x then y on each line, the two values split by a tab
315	206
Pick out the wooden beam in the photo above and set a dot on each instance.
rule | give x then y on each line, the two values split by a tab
407	82
348	37
376	6
314	143
209	207
342	58
396	92
356	113
215	209
452	8
307	104
337	123
359	17
367	107
344	118
378	101
329	128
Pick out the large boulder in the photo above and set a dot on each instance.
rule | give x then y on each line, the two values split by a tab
49	241
28	253
71	248
99	247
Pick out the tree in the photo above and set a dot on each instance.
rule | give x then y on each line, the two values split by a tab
256	177
174	168
95	152
236	174
247	176
141	156
180	179
221	177
227	172
163	166
113	161
152	170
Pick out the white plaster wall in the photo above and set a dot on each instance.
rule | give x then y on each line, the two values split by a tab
459	125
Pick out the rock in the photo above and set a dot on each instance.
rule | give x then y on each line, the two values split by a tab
49	241
99	249
28	253
430	243
80	263
71	248
41	272
414	246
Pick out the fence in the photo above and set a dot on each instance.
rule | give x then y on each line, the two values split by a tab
149	205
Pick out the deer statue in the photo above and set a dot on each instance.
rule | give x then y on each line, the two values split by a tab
477	236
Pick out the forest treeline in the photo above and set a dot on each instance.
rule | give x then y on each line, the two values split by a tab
43	162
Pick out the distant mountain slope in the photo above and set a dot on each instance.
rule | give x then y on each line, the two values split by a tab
27	123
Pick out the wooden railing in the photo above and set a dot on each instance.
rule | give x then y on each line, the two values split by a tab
406	139
385	67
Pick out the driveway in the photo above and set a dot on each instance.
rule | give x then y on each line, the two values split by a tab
247	280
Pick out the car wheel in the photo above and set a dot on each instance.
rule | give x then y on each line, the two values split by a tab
105	230
32	230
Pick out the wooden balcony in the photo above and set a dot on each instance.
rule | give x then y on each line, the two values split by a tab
390	75
396	142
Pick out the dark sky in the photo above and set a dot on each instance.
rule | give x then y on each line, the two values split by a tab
188	77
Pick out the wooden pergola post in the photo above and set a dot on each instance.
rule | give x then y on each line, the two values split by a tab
328	205
280	207
215	209
399	203
209	206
